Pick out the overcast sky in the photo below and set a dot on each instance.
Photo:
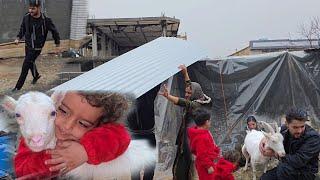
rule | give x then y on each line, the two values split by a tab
219	26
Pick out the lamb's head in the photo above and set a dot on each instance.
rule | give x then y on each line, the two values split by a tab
35	113
275	141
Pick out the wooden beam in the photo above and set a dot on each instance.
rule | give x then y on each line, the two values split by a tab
144	36
132	42
111	34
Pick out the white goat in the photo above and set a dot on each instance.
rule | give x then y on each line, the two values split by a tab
36	112
250	149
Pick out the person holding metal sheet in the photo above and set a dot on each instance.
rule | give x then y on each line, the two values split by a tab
194	98
34	28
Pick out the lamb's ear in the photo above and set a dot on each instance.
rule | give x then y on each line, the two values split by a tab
8	103
57	97
267	135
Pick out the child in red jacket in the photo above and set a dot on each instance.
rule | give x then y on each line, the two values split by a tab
209	164
87	130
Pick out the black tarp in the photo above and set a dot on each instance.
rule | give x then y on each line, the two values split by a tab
266	86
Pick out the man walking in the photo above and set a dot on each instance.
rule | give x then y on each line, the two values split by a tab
34	28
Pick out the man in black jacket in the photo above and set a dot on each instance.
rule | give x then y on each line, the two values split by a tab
34	28
302	146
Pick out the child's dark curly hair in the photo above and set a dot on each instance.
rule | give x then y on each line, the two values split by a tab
115	105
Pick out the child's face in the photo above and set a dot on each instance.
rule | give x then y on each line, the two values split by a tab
252	125
75	117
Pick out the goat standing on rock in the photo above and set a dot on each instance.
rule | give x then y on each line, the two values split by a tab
251	150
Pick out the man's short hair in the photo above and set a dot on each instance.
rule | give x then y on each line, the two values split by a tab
35	3
200	116
296	114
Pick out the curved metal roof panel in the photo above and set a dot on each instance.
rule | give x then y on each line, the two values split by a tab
140	69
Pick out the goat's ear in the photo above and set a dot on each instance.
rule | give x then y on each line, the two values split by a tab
277	128
267	135
8	103
57	97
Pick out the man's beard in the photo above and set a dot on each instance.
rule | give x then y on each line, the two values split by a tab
35	14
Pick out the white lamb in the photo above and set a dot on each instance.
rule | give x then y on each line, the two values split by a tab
35	113
250	149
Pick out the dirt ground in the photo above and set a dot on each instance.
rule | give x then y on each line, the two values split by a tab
47	65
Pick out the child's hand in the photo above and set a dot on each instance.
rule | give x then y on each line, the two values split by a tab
67	156
210	170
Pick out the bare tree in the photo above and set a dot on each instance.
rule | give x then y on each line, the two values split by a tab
311	30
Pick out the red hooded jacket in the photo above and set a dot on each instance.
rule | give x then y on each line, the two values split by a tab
207	152
102	144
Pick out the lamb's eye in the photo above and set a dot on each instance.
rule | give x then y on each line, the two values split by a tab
53	113
18	115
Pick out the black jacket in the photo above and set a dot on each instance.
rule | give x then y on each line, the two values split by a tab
35	31
303	153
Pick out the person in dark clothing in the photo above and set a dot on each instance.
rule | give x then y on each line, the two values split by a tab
302	147
251	123
194	98
34	28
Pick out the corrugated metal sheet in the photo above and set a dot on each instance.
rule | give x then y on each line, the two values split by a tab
139	70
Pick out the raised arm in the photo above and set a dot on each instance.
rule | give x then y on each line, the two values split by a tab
184	71
165	93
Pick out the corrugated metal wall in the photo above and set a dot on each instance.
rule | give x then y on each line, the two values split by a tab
12	11
79	18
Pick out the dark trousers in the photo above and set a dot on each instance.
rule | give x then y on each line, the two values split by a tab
28	63
182	162
284	172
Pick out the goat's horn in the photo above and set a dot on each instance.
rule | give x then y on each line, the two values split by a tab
268	126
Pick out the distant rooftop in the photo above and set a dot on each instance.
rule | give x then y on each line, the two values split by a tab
284	44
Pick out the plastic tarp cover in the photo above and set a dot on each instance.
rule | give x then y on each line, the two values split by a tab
266	86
